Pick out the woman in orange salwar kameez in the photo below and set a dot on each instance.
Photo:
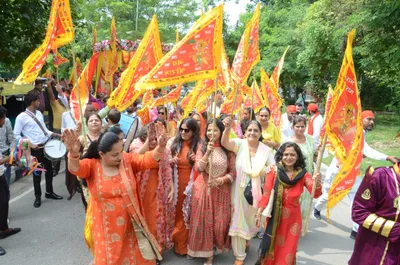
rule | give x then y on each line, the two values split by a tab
283	228
121	235
182	150
156	189
211	212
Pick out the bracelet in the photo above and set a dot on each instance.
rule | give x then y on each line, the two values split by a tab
258	215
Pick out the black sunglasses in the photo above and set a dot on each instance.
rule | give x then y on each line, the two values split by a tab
184	130
161	113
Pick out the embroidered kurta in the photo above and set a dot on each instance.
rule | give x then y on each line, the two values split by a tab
308	150
155	185
376	209
289	228
182	176
211	213
115	241
272	133
242	223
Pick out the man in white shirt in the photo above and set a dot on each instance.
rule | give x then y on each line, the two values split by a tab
287	119
368	120
31	125
315	123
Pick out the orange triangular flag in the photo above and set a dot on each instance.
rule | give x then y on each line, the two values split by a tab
247	54
146	57
277	71
196	57
256	101
271	98
227	106
172	96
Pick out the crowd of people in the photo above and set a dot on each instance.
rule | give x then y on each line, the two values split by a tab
191	183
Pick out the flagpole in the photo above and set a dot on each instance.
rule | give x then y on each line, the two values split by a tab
79	95
214	109
234	98
317	170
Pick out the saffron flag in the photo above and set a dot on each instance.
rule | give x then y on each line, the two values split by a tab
196	57
145	58
83	85
224	75
247	54
172	96
65	28
58	59
79	70
278	69
112	56
227	106
185	100
200	93
147	100
272	98
59	32
254	100
344	128
144	115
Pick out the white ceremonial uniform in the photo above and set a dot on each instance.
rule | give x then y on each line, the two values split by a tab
287	130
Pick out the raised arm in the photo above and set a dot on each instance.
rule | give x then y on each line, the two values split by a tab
71	141
225	141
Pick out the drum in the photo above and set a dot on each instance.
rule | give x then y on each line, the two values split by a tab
126	123
54	149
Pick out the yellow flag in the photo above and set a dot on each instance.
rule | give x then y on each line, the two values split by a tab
344	128
112	56
196	57
146	57
59	32
248	53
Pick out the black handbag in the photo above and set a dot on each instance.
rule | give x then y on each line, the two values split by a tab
248	193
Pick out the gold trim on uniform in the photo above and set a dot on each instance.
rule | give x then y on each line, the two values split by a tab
387	228
370	219
378	224
366	195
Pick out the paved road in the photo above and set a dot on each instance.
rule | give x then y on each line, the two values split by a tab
52	234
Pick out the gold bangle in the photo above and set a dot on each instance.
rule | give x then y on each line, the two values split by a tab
73	157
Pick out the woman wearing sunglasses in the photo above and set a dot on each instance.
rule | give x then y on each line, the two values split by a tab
182	151
211	211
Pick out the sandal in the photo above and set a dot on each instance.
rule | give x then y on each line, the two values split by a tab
238	262
209	261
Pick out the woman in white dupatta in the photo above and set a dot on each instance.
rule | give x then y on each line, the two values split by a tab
252	157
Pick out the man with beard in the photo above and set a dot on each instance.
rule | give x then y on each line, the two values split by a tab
287	119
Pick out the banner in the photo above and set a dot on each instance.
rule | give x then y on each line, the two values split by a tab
59	32
144	115
147	99
84	84
145	58
344	128
112	56
224	75
247	54
254	100
58	59
172	96
271	98
277	71
196	57
185	100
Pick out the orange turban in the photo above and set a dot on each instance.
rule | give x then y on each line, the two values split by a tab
312	107
291	108
367	114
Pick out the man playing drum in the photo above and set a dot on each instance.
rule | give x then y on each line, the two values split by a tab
30	124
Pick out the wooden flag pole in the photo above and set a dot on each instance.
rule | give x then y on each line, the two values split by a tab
214	109
317	170
234	98
79	95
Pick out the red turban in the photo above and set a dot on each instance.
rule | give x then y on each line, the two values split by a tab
367	114
96	106
312	107
291	108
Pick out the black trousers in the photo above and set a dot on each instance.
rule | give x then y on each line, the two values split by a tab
4	199
37	175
